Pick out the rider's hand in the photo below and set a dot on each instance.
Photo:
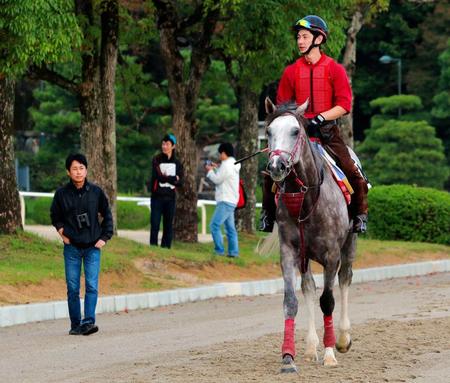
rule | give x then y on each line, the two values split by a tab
317	121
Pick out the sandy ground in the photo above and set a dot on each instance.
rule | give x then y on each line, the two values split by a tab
401	333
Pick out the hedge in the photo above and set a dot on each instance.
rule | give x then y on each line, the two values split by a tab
403	212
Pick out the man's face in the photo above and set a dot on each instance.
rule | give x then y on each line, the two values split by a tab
77	172
305	39
167	147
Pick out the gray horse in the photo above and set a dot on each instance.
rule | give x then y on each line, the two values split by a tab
313	224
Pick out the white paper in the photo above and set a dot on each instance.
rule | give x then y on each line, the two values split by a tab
167	169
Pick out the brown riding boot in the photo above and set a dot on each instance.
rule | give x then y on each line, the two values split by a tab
337	147
359	201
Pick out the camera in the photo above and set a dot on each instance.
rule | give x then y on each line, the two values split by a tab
83	220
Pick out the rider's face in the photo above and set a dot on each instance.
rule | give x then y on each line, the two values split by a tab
304	40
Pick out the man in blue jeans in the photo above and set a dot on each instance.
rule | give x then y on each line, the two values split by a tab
226	179
75	212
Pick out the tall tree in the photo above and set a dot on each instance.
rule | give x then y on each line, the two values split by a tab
30	32
94	88
362	13
186	30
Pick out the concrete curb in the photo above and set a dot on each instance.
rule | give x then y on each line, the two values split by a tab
20	314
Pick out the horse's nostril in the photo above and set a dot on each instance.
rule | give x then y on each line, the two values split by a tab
282	167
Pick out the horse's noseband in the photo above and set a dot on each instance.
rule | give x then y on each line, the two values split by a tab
286	162
289	162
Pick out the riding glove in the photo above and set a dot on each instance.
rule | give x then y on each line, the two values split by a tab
317	121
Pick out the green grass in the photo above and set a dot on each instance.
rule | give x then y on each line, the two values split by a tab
26	258
377	247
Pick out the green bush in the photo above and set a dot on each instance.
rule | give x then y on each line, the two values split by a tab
130	216
37	211
402	212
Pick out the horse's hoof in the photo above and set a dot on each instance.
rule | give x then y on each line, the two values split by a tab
344	348
287	365
329	358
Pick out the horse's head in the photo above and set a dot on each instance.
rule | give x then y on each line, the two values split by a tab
286	137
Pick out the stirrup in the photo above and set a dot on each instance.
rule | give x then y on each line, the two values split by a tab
360	223
265	222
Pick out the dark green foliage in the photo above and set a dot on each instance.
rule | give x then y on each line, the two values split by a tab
404	152
400	212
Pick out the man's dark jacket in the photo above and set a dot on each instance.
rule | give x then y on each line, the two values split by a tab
70	202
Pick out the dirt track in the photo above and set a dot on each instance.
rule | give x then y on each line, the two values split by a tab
401	333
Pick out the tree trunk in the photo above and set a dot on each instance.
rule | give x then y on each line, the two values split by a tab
185	224
349	63
97	106
10	218
248	144
183	92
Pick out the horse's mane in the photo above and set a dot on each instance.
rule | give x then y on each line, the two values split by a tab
282	109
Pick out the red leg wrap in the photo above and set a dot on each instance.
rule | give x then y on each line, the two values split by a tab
329	339
289	338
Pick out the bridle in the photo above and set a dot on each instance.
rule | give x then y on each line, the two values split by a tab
294	201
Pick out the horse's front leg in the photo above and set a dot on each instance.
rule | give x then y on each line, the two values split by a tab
327	306
309	292
290	306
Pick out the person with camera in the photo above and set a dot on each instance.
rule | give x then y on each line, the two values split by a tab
75	213
226	179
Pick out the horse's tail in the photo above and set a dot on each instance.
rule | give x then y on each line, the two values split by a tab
269	245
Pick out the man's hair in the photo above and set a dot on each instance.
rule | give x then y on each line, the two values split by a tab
170	137
227	148
75	157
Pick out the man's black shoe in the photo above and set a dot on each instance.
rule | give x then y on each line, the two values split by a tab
265	222
360	223
75	330
89	328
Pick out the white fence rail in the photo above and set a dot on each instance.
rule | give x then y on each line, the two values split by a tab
142	201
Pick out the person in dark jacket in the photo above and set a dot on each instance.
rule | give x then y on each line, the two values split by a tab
167	174
75	212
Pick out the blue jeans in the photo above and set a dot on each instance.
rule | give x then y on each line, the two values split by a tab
73	257
224	214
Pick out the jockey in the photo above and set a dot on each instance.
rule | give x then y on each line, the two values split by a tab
321	80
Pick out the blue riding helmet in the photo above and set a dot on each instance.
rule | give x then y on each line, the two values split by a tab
314	24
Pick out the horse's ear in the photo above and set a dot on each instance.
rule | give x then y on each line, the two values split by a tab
301	109
270	107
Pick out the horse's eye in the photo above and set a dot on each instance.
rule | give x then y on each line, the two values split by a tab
295	132
269	134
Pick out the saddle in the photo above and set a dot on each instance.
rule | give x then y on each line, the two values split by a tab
338	174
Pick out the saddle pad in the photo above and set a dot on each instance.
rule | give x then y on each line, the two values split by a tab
338	174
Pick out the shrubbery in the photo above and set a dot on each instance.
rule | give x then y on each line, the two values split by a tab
129	215
402	212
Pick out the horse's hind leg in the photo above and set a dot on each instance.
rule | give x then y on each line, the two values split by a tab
312	340
327	306
344	341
